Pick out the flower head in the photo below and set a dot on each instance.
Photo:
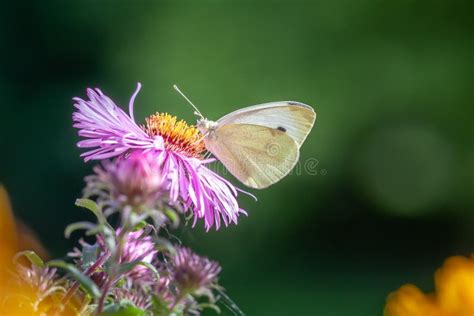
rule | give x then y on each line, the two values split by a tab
133	180
42	281
136	247
410	301
176	146
135	295
454	295
192	272
35	290
178	136
8	237
162	289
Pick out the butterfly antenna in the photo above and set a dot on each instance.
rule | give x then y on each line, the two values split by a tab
196	111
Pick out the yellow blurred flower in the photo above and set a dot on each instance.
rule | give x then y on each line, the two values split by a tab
453	296
15	236
27	290
8	237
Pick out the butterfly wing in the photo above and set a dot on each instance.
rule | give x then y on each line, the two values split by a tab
294	118
256	155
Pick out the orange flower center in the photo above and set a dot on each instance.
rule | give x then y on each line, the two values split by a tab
178	136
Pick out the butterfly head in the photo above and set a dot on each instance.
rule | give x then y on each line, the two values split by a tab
206	126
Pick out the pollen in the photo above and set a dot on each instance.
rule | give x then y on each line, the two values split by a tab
178	135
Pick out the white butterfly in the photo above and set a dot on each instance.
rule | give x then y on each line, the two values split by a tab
258	144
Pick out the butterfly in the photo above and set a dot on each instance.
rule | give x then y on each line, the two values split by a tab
259	144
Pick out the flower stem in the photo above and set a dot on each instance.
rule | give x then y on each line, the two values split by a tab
88	272
178	300
105	291
114	270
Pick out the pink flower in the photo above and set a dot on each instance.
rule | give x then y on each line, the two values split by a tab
135	247
135	295
134	180
192	272
164	291
178	148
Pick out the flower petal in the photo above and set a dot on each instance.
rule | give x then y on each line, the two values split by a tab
107	127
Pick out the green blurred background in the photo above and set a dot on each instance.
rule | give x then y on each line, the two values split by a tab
389	194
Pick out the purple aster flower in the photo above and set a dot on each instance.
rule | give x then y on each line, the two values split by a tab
42	280
178	148
163	290
134	180
136	247
135	295
192	272
36	291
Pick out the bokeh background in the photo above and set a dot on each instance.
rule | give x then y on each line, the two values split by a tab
387	192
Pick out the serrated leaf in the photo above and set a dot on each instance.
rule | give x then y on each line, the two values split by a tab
31	256
76	226
85	281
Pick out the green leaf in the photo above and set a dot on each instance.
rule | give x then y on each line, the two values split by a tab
140	225
159	306
227	302
126	267
109	238
89	255
151	268
93	207
134	219
98	229
31	256
97	211
79	225
90	205
210	306
85	281
123	310
172	215
164	245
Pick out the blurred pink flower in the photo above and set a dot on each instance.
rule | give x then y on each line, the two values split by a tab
134	180
192	272
136	247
